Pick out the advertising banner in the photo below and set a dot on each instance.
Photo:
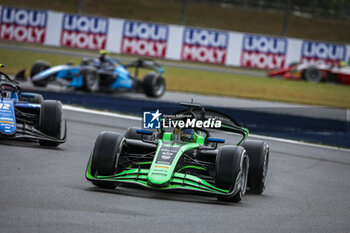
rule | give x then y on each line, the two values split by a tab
23	25
320	52
263	52
84	32
203	45
144	39
164	41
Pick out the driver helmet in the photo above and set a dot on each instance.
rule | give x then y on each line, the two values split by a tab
103	54
342	63
187	135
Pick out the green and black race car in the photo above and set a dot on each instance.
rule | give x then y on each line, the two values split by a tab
182	157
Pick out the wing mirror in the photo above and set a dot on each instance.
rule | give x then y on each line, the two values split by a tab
144	132
216	140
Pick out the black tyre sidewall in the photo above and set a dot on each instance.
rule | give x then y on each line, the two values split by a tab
37	68
258	153
308	72
50	120
149	85
105	156
85	72
229	163
105	153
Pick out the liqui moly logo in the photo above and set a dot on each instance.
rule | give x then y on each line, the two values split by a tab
84	32
263	52
325	53
204	46
144	39
22	25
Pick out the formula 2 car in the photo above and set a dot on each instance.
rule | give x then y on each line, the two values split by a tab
182	158
27	116
315	72
102	74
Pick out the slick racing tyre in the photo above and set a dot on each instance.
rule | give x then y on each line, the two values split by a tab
90	79
105	156
232	165
50	121
32	98
258	153
312	74
37	68
154	85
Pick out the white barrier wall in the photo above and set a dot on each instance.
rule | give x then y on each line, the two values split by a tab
163	41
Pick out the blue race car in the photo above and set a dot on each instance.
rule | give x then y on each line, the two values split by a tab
27	116
103	74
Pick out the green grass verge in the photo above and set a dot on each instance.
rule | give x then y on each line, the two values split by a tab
212	83
202	14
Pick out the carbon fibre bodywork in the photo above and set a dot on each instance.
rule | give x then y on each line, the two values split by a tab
19	118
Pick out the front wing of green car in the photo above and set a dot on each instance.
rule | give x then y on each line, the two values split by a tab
179	181
163	172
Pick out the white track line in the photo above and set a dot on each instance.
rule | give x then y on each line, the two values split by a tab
110	114
118	115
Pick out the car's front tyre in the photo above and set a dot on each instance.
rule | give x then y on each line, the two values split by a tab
312	74
232	165
50	121
90	79
258	152
105	155
38	67
154	85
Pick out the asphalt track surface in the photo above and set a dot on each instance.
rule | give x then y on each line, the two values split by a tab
44	190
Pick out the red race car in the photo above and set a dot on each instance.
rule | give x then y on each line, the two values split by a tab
315	72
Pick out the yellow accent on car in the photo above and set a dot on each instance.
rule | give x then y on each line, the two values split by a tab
7	122
104	52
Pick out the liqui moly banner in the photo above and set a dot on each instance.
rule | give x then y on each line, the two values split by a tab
319	52
144	39
85	32
22	25
202	45
263	52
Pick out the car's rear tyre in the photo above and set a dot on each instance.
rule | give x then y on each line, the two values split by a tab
50	121
154	85
37	68
32	98
105	155
312	74
232	164
258	153
90	79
